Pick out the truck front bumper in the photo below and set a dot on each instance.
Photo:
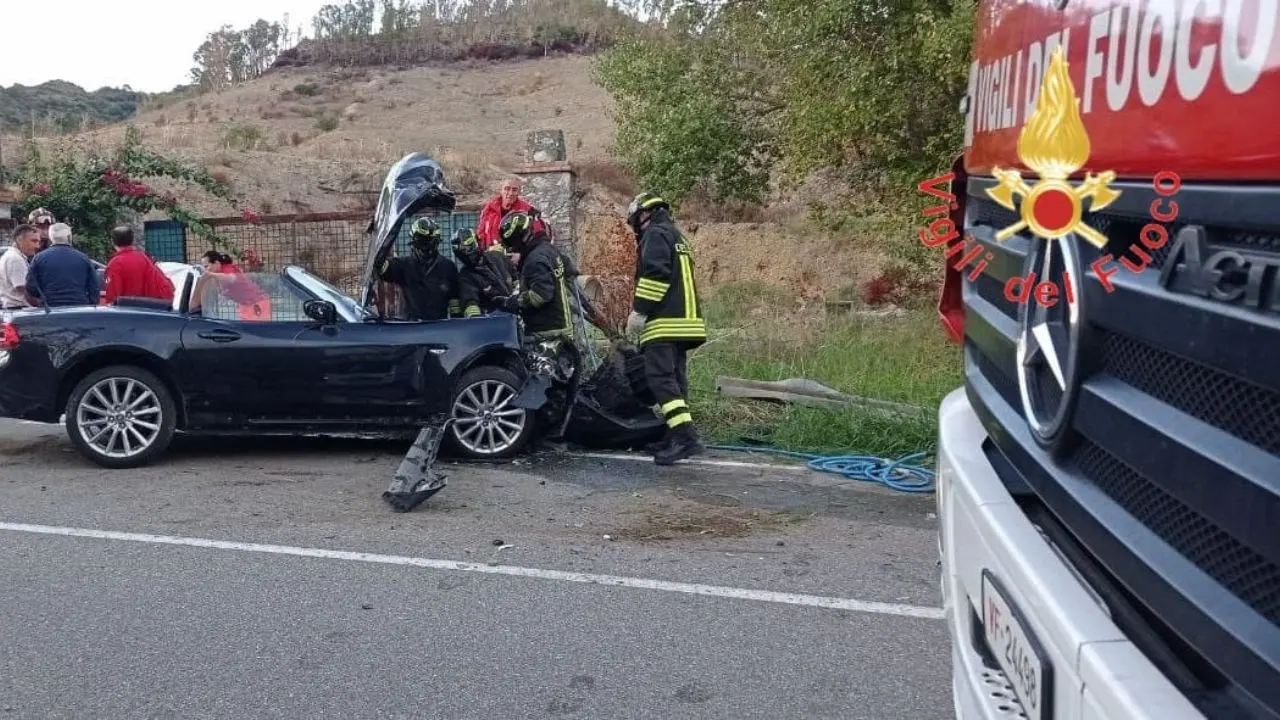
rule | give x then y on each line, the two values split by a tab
1096	673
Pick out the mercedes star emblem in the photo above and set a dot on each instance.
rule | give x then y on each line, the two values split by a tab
1048	352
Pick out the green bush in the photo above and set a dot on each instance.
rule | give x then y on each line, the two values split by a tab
244	136
327	123
724	100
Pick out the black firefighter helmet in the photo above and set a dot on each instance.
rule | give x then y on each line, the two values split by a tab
640	206
424	236
515	231
466	247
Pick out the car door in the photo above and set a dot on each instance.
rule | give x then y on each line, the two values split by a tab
249	372
234	372
373	372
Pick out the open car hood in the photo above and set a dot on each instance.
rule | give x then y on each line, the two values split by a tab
413	184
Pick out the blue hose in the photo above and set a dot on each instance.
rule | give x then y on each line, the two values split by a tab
900	474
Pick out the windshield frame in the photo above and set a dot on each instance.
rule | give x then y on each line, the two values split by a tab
348	308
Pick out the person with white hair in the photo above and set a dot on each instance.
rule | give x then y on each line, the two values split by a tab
62	275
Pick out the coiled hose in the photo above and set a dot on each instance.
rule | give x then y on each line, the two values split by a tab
901	474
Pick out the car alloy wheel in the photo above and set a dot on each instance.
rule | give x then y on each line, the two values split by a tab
119	417
485	422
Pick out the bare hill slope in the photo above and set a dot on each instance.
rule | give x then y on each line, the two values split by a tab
304	140
319	139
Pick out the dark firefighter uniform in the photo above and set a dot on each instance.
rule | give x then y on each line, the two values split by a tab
484	278
667	317
542	298
427	281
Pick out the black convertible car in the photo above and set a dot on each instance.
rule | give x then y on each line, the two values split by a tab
128	376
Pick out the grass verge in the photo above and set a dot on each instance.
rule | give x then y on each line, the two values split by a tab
757	334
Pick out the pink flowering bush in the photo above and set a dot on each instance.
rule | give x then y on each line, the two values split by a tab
97	193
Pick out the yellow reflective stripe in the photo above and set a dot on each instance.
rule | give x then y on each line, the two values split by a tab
686	276
647	294
651	290
472	310
564	293
678	420
655	285
564	303
674	329
657	337
673	405
675	323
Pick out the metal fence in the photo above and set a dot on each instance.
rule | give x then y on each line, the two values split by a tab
333	246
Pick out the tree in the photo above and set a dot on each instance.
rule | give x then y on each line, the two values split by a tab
678	130
721	89
229	57
262	45
398	16
216	59
351	19
327	22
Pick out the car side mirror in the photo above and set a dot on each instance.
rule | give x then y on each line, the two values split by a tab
322	311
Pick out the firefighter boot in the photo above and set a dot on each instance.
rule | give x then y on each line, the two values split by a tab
657	446
683	443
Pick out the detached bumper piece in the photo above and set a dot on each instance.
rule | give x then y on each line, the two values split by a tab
416	480
613	408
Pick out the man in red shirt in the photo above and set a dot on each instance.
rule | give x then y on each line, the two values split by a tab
507	201
132	273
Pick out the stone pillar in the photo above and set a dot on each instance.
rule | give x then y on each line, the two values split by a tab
550	184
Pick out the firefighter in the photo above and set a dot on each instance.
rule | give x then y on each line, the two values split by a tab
667	321
427	281
485	276
542	298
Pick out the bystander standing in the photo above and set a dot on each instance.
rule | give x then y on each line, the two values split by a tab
62	275
506	202
14	263
132	273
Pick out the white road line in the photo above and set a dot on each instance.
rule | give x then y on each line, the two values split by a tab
713	463
833	603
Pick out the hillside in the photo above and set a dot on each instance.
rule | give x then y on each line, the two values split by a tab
59	106
271	139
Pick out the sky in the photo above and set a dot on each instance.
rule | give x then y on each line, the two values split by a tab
144	44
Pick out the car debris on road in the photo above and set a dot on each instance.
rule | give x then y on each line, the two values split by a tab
416	479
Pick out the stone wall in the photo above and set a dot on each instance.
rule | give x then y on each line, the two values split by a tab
550	184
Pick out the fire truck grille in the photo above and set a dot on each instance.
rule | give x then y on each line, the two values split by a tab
1248	575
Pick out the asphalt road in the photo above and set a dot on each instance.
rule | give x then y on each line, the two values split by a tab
268	579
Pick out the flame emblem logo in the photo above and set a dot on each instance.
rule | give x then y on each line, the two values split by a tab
1054	144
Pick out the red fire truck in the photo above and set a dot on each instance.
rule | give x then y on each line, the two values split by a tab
1109	475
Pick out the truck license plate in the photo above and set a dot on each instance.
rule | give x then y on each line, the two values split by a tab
1016	649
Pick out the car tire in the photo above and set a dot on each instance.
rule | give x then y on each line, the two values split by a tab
146	397
468	439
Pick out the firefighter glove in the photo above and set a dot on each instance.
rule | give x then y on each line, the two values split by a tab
635	324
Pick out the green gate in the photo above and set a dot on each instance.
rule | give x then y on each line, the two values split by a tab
165	240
